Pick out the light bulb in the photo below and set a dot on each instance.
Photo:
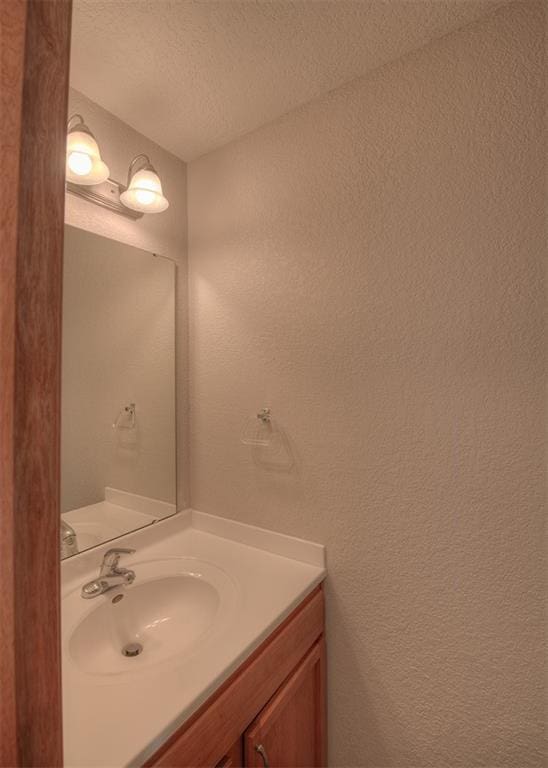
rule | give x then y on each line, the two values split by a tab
84	164
144	196
80	163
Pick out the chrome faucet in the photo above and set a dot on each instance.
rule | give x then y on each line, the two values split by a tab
69	542
110	575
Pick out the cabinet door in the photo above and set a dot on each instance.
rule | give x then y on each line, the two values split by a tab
290	732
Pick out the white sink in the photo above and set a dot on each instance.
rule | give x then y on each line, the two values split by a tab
173	605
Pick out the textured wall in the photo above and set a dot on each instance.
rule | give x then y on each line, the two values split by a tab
164	233
118	347
370	267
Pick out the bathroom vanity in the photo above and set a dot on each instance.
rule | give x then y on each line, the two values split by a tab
271	711
229	620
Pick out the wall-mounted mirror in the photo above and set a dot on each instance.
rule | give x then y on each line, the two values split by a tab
118	427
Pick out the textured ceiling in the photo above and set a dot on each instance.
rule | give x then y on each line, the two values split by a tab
193	75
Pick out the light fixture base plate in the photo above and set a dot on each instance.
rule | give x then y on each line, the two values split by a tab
107	195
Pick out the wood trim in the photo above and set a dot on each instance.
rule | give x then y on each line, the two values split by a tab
219	723
321	723
12	39
34	85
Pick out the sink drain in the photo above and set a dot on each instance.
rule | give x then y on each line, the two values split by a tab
132	649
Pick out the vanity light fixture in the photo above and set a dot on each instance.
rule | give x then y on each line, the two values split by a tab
144	188
83	164
88	177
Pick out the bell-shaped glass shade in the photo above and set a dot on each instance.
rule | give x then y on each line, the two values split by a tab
145	192
84	164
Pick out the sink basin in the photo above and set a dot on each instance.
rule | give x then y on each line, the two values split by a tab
170	610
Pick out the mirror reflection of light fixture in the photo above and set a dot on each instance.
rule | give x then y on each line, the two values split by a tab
144	188
84	164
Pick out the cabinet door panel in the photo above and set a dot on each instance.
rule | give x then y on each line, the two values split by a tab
290	730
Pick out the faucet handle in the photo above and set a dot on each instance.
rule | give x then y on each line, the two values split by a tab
112	558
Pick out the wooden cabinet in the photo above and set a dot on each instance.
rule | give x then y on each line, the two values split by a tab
290	730
270	712
234	757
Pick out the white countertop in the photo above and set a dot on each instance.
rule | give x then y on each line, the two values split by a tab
121	720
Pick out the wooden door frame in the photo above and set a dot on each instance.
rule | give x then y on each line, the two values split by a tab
34	51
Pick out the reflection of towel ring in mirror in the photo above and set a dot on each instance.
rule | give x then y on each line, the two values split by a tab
127	413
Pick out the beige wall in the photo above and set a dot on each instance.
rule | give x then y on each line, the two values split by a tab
370	267
165	234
